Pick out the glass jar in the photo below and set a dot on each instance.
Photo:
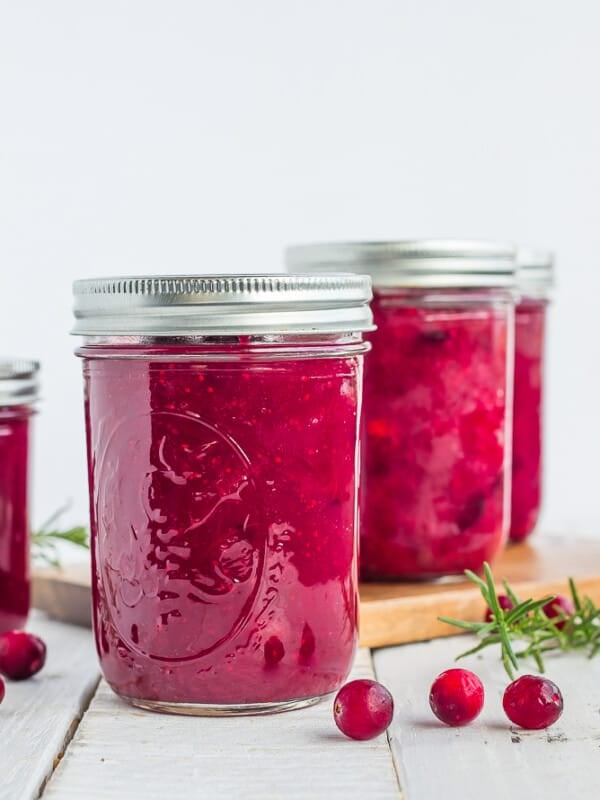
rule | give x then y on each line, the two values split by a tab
535	278
222	427
438	390
18	393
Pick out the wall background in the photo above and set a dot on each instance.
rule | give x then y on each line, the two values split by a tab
196	136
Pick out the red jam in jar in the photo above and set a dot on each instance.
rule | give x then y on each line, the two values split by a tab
222	422
437	398
18	392
535	274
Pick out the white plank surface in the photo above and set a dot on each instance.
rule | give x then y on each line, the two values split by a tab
489	758
120	752
38	715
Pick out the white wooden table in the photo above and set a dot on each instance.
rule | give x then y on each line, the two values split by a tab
65	736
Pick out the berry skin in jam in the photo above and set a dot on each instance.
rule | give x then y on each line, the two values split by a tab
533	702
363	709
435	452
22	655
456	697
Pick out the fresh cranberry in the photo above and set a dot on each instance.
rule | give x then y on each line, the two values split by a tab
560	606
21	655
456	697
505	603
274	650
2	690
363	709
532	702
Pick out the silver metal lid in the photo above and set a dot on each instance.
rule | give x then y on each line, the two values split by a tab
186	305
18	381
535	271
413	264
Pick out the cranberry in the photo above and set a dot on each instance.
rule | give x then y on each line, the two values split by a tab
560	606
456	696
21	655
2	690
274	650
363	709
506	604
532	702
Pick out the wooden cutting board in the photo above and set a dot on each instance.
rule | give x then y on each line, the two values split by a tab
394	613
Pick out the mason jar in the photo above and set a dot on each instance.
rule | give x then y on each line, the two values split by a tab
18	393
222	422
435	494
535	280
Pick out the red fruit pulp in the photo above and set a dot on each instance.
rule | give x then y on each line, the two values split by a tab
14	529
22	654
2	690
363	709
532	702
433	495
456	697
505	603
527	419
558	607
223	501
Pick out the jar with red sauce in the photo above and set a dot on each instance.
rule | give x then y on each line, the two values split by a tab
535	279
222	428
435	494
18	393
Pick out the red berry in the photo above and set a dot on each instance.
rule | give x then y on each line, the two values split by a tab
274	650
21	655
456	696
363	709
2	690
533	702
559	607
505	603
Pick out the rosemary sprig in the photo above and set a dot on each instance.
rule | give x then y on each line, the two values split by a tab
527	624
44	541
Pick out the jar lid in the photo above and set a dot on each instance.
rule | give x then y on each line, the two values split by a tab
535	271
18	381
413	264
205	305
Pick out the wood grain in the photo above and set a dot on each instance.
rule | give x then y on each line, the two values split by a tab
38	716
491	758
122	752
396	613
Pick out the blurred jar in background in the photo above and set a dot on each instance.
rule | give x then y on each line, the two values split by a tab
438	386
535	277
18	393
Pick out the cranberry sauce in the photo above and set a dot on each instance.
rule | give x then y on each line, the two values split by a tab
435	498
223	505
14	532
527	421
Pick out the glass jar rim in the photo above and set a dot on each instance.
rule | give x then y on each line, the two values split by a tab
418	263
178	305
19	381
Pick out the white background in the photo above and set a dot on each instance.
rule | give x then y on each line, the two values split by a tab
196	136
